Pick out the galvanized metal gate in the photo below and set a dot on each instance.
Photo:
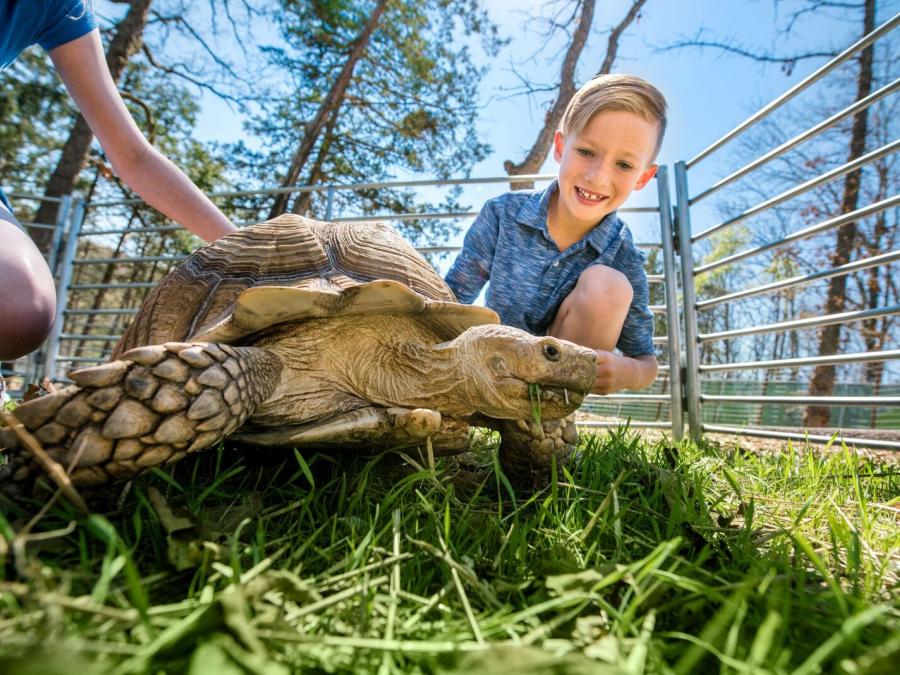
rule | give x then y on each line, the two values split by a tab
102	278
696	398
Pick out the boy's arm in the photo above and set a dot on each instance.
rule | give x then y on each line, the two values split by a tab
82	67
472	267
617	371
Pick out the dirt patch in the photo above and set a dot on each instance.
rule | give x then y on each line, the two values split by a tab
772	445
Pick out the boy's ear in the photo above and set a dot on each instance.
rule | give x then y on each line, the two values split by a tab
559	142
645	177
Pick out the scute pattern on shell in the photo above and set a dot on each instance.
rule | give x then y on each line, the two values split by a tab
287	251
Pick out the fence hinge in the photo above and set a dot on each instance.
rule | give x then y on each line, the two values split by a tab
676	242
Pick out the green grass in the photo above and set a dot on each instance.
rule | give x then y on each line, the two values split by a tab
640	558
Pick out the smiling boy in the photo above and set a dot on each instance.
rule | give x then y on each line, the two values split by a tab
560	261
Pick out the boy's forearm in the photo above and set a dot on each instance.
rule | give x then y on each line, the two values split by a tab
643	371
162	185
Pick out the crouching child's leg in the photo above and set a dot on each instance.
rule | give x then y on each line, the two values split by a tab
27	292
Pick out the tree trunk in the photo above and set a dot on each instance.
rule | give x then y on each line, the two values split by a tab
304	200
875	332
126	41
822	383
541	147
332	101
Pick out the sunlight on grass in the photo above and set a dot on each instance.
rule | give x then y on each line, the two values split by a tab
677	559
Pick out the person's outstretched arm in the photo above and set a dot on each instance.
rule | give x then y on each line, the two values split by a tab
81	64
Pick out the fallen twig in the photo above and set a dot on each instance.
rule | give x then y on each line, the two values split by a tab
53	469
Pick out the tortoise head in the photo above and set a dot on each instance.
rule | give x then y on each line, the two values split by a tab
509	372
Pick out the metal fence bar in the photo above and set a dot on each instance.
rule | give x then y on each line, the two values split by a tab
132	230
440	215
842	317
16	196
62	292
691	350
90	338
817	75
629	423
64	358
607	398
806	400
861	104
435	182
62	217
854	266
667	237
805	233
799	362
814	438
846	168
102	312
122	286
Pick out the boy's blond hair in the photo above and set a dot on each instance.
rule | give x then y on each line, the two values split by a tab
615	92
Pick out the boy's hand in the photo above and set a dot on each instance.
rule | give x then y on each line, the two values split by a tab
616	372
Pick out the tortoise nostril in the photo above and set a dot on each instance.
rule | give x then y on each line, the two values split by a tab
551	352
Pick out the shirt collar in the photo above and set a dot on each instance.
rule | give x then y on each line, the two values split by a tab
533	214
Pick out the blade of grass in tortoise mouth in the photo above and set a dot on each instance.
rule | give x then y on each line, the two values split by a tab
534	395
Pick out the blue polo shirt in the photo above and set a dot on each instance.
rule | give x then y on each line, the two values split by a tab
48	23
509	244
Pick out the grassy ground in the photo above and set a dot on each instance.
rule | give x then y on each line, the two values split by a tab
640	559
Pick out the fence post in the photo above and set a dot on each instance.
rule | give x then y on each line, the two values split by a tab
62	218
689	311
62	291
670	274
329	204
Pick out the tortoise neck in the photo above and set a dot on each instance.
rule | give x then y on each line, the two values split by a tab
414	374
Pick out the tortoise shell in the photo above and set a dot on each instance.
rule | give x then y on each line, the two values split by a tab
293	268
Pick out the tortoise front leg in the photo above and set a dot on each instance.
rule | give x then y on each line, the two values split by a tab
371	427
528	449
151	407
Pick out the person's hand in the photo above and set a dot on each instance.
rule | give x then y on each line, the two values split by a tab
609	378
616	372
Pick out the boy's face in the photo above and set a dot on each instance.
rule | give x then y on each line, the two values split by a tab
599	167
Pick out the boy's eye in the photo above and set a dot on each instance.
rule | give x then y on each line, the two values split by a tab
584	152
625	165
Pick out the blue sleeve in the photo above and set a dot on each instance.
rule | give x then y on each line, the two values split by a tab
472	267
66	20
636	338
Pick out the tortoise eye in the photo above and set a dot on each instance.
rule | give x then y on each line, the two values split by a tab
551	352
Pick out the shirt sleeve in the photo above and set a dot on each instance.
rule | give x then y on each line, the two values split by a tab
472	267
636	338
66	20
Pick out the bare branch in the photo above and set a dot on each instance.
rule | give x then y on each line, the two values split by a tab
200	84
612	45
787	62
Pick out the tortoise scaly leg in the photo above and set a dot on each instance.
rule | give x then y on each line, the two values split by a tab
528	448
151	407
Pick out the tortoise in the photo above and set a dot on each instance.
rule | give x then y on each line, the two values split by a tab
294	333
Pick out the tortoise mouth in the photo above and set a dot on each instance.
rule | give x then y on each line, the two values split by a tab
554	399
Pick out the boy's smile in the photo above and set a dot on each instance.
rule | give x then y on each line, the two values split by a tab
599	168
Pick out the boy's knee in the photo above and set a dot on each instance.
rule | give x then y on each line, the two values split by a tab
603	288
27	296
25	323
